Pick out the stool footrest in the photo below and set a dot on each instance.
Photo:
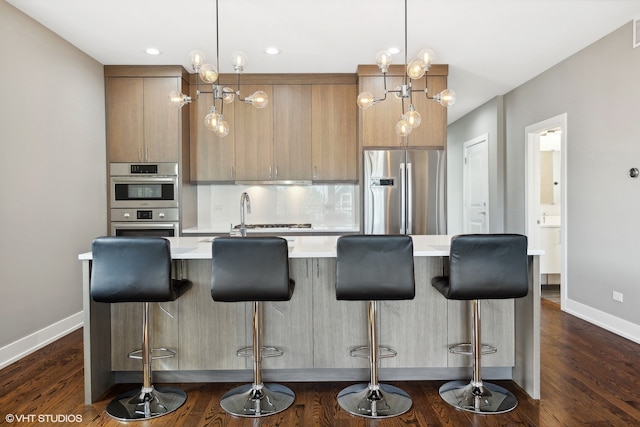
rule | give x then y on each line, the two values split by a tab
466	348
363	351
156	353
265	351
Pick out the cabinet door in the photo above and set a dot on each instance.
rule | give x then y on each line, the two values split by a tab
497	328
161	120
379	121
415	328
210	331
338	325
334	140
292	132
212	157
432	130
125	116
254	136
288	324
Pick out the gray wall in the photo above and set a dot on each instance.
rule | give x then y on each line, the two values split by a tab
52	170
599	89
486	119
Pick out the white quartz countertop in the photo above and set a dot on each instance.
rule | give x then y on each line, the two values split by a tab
275	230
305	247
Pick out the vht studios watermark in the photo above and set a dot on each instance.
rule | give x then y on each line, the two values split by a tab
43	418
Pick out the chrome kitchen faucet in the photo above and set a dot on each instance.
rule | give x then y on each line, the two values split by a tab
245	205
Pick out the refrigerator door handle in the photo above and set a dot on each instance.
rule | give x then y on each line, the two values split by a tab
409	181
403	198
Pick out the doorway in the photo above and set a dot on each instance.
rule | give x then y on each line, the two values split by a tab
546	202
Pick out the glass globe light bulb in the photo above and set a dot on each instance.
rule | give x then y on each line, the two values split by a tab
427	56
178	99
416	69
197	59
366	100
208	73
222	129
228	95
413	117
383	59
403	127
446	98
212	120
259	99
238	60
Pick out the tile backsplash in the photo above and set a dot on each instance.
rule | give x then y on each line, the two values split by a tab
322	205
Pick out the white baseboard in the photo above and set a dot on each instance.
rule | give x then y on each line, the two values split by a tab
614	324
24	346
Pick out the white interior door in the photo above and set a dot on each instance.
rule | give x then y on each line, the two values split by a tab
476	185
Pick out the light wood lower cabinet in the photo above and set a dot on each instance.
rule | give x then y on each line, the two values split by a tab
314	329
416	328
338	325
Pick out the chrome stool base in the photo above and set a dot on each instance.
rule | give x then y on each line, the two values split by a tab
381	401
484	399
144	404
250	400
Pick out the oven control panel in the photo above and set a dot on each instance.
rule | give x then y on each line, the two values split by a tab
143	215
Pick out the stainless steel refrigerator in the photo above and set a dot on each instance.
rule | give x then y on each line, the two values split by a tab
404	192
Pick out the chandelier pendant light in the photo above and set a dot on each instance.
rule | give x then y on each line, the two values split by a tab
214	121
416	69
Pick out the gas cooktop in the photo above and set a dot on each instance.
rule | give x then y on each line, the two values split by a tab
267	226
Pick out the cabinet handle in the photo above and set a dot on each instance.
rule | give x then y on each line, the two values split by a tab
315	172
276	171
146	154
232	173
270	168
140	154
307	265
318	267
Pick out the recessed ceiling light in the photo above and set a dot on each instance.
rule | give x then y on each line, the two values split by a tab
393	50
272	51
153	51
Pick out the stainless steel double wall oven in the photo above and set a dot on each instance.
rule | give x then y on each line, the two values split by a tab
143	199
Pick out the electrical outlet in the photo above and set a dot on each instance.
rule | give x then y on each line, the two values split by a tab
617	296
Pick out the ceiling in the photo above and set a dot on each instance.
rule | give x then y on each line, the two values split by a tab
491	46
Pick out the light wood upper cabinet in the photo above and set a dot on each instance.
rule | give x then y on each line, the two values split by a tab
334	141
161	120
378	122
141	124
212	157
432	132
307	131
292	132
125	118
254	137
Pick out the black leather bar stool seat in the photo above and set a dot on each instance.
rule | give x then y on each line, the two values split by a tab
253	269
483	266
137	269
372	268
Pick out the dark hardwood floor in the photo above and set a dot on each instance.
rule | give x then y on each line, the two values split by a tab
590	377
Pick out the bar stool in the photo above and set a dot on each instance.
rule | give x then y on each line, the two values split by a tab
138	269
253	269
482	266
372	268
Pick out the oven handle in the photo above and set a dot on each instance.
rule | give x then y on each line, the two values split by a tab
142	180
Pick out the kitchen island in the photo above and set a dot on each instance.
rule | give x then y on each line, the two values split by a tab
314	329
